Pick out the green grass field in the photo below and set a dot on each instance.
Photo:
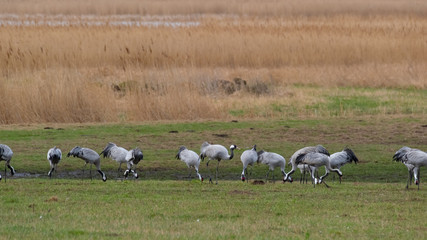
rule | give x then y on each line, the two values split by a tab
371	203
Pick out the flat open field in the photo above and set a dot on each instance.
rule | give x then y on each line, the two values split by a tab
372	201
161	74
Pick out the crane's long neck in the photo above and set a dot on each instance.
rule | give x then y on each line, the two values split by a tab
329	168
294	167
231	153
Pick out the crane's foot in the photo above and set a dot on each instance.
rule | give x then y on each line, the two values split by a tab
326	184
210	180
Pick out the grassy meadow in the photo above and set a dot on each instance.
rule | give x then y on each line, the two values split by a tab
164	203
161	74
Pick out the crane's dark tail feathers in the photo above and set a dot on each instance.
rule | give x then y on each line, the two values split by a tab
300	158
399	156
321	149
351	155
107	150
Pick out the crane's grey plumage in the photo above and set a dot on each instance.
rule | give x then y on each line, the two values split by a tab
412	156
190	158
273	160
6	155
318	149
316	160
89	156
54	155
215	152
339	159
248	157
121	155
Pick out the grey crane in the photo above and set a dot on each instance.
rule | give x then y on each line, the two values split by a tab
121	155
339	159
215	152
6	155
191	159
273	160
248	157
316	160
89	156
412	156
305	150
398	156
54	155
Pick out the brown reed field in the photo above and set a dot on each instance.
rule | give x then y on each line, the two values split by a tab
92	61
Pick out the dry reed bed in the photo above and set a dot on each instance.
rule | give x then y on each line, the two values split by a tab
108	74
251	43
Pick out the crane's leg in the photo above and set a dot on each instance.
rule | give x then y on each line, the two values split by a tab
209	171
408	182
90	171
419	181
325	184
266	176
243	174
12	170
84	170
5	176
416	171
272	172
119	170
50	172
216	175
198	174
303	174
189	173
306	178
313	179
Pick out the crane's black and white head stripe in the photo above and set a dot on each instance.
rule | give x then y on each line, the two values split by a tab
104	177
233	147
137	155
